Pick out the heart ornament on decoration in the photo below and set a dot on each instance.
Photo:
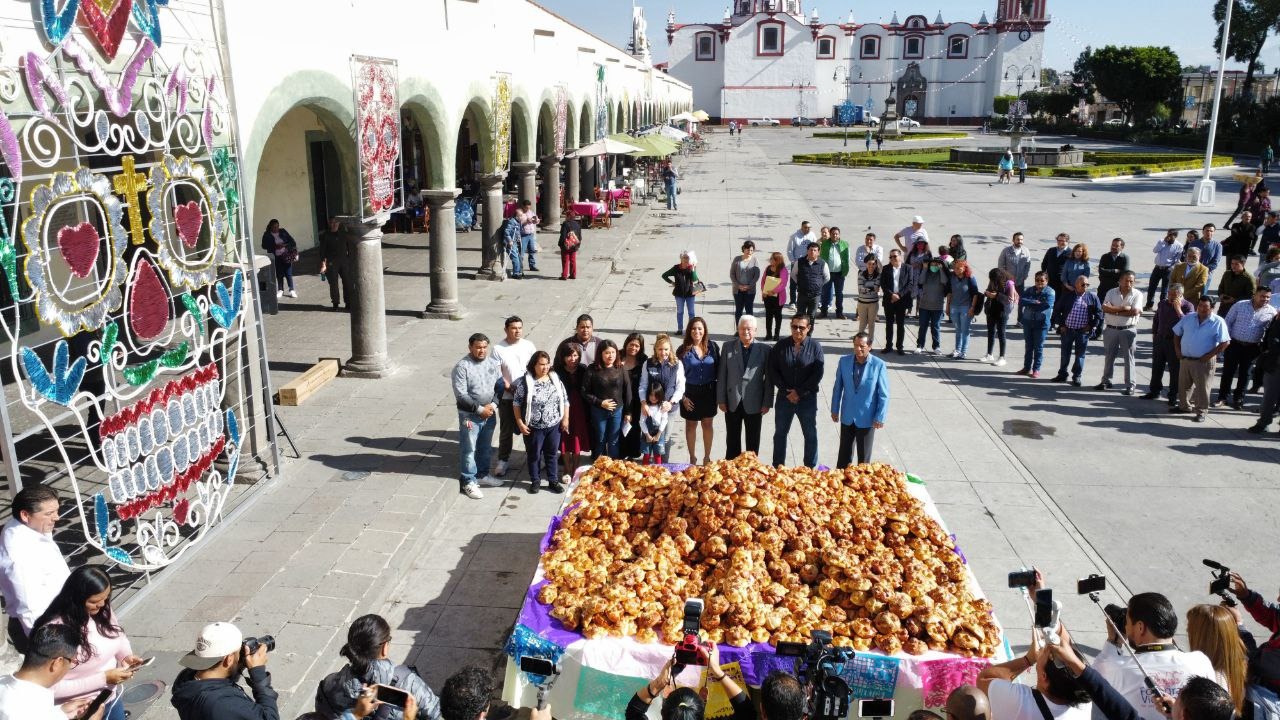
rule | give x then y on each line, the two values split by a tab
79	245
189	220
107	22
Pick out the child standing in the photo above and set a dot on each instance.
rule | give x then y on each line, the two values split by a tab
653	426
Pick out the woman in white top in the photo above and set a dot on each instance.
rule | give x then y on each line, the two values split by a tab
541	407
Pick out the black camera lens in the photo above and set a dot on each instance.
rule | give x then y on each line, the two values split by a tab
252	644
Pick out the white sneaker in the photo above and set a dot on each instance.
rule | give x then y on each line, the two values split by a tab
999	362
292	293
988	358
917	351
501	469
279	294
472	491
954	354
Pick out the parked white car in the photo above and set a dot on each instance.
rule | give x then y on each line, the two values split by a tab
764	121
872	121
903	122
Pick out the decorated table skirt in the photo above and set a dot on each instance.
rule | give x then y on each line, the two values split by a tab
598	677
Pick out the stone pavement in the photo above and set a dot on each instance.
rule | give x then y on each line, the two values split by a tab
1024	472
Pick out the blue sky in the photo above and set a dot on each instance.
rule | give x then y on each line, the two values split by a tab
1184	25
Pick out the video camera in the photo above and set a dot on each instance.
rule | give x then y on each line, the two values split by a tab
691	650
818	665
543	672
251	644
1221	582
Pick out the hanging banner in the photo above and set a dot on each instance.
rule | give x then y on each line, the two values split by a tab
562	119
501	124
125	329
377	105
602	106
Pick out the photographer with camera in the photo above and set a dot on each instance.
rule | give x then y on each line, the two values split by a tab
1055	696
209	688
1150	624
684	703
1200	698
1264	663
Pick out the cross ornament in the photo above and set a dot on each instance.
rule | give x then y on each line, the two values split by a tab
131	184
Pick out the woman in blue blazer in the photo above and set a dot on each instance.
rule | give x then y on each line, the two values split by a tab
860	400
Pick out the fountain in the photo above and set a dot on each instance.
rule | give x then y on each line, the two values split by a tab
1065	156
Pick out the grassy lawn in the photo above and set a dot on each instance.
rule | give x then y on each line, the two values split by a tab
1096	164
929	158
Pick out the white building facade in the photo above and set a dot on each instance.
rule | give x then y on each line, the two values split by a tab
766	58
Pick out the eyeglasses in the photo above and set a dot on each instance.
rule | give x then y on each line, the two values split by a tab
799	327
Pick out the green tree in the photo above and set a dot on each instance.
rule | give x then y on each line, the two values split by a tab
1058	105
1135	78
1048	77
1082	86
1252	21
1001	104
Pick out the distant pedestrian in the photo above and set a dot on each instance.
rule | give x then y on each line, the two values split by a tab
895	289
963	302
541	413
1163	355
669	179
809	274
514	352
701	360
570	243
868	140
1078	319
1268	157
477	386
869	297
284	253
1121	310
795	368
859	401
683	279
773	288
1199	339
1022	167
1001	301
1004	168
879	141
744	392
744	273
575	440
1036	312
528	220
835	253
606	388
513	245
335	263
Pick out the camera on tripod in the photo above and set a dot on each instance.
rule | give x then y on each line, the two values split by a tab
1221	583
691	650
818	665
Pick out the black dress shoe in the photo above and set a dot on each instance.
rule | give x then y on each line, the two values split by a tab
1256	428
840	316
1104	385
1059	378
555	486
822	315
1151	396
1076	383
533	489
901	351
887	350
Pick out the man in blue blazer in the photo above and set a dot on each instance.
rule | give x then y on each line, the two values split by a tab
860	400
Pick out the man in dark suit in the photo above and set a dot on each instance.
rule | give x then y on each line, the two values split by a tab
895	284
743	389
335	263
1052	263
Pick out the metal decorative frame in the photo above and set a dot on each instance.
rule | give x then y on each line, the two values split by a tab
377	103
124	336
562	119
501	123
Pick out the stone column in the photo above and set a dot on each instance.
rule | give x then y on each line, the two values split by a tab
368	315
550	210
572	185
527	181
491	231
443	249
589	169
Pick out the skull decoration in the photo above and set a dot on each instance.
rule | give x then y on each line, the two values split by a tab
379	138
150	315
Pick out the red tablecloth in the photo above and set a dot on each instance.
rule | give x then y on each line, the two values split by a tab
615	194
589	209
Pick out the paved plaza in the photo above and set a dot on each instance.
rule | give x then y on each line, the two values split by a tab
1025	472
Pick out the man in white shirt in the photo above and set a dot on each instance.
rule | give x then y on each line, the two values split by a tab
32	569
797	247
1015	259
28	693
1150	624
907	236
868	248
1168	251
514	352
1120	312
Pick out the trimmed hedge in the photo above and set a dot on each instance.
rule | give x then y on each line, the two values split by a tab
1105	169
905	136
1121	158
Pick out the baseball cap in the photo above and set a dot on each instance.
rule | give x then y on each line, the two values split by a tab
216	641
917	219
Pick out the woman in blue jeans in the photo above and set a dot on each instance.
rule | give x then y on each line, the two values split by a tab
683	279
1037	307
606	388
963	301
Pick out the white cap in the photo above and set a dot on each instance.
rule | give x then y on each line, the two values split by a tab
917	219
216	641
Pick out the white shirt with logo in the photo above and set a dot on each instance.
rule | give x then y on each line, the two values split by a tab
1170	669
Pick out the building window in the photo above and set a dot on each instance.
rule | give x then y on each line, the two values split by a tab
705	46
870	48
958	46
769	38
913	47
826	48
744	7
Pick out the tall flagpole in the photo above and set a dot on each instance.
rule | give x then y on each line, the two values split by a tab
1204	189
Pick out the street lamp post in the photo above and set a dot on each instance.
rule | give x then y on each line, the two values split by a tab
1017	121
848	95
1204	189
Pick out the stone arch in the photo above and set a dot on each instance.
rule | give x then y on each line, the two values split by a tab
473	138
571	134
546	129
586	124
620	118
610	120
305	121
420	101
523	131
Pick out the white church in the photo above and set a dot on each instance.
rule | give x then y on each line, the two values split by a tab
767	59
